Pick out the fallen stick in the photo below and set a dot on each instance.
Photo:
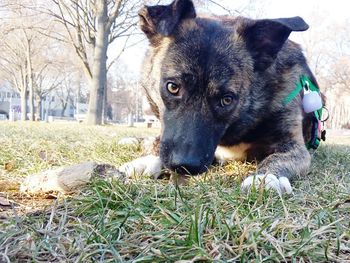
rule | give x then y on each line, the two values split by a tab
65	179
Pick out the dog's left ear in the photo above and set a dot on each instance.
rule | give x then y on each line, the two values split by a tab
161	20
265	38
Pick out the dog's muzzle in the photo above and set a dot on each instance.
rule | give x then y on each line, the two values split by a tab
186	165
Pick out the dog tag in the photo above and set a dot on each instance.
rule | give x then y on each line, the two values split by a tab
312	100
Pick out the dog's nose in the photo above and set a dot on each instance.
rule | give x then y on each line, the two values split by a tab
186	165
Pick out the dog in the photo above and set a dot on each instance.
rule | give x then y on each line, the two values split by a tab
218	85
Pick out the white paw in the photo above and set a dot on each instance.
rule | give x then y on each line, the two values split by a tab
128	141
285	185
280	185
150	165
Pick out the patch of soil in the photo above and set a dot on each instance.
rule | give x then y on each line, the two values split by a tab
19	203
15	203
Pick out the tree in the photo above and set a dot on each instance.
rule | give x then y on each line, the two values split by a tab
90	27
13	65
46	79
68	90
24	61
13	69
124	95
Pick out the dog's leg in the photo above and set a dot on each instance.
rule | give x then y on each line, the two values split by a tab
277	169
149	164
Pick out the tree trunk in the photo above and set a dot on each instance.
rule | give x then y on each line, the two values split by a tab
39	108
31	104
23	104
99	68
30	81
64	106
105	107
131	119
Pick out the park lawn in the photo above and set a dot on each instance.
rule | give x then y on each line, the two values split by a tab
209	219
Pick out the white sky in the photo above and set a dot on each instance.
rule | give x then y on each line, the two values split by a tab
317	13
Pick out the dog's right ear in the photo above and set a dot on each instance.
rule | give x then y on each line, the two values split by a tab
161	20
265	37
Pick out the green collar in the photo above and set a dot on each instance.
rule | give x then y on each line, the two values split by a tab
299	87
316	133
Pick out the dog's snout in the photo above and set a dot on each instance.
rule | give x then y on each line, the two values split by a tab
186	165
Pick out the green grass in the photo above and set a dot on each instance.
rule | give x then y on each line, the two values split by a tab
208	220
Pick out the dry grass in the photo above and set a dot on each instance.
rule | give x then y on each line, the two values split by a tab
155	221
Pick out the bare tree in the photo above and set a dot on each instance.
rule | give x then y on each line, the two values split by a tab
90	26
23	60
13	69
13	65
47	78
124	94
65	95
68	89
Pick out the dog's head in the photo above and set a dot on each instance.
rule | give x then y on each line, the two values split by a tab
205	70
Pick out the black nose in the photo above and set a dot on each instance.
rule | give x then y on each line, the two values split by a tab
186	165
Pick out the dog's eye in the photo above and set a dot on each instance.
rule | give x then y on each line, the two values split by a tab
226	100
172	88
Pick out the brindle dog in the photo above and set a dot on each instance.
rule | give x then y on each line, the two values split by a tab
217	84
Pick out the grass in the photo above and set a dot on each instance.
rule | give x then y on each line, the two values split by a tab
208	220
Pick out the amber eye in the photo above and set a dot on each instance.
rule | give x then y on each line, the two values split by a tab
172	88
226	100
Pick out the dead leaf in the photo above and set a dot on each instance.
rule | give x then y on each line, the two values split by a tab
50	196
9	166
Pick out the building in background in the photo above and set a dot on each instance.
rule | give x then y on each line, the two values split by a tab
10	106
10	103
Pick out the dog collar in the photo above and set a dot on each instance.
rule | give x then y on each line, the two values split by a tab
318	132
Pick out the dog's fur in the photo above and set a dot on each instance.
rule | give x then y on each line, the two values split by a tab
250	62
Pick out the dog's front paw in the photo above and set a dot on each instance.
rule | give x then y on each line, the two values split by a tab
149	164
269	181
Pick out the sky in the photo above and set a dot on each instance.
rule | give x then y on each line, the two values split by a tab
319	14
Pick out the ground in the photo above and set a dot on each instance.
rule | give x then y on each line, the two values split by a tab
209	219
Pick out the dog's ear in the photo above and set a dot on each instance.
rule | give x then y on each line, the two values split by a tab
265	38
161	20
